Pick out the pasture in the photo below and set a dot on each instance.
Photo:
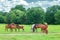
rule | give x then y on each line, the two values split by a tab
53	33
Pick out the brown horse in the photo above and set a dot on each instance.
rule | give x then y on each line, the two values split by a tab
20	27
10	26
42	26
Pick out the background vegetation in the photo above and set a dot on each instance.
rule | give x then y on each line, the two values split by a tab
20	15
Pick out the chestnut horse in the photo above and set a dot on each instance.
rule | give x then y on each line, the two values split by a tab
10	26
42	26
20	27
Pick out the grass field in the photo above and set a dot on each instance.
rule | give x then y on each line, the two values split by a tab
54	33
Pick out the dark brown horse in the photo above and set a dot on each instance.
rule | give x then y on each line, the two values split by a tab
10	26
20	27
42	26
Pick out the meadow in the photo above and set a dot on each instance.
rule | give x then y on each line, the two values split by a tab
54	33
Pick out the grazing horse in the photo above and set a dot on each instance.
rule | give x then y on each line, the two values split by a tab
42	26
20	27
10	26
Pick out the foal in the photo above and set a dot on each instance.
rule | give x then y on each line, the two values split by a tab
20	27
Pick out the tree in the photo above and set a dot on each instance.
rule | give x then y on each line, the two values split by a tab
16	16
50	19
57	17
19	7
35	15
1	19
8	18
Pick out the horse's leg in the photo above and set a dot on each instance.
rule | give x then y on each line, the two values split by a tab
33	29
6	29
18	29
46	31
41	30
36	29
11	30
23	29
15	29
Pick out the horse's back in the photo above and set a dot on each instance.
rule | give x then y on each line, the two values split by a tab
20	27
13	25
7	26
41	26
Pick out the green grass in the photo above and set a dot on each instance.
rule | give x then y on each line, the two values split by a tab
38	35
31	37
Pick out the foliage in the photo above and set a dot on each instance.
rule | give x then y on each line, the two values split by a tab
15	16
19	7
57	17
50	14
35	15
1	19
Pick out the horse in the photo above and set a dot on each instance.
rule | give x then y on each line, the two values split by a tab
42	26
10	26
19	27
13	26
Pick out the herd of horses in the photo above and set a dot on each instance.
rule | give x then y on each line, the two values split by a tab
13	26
33	27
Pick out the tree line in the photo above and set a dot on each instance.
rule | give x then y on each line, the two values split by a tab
33	15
